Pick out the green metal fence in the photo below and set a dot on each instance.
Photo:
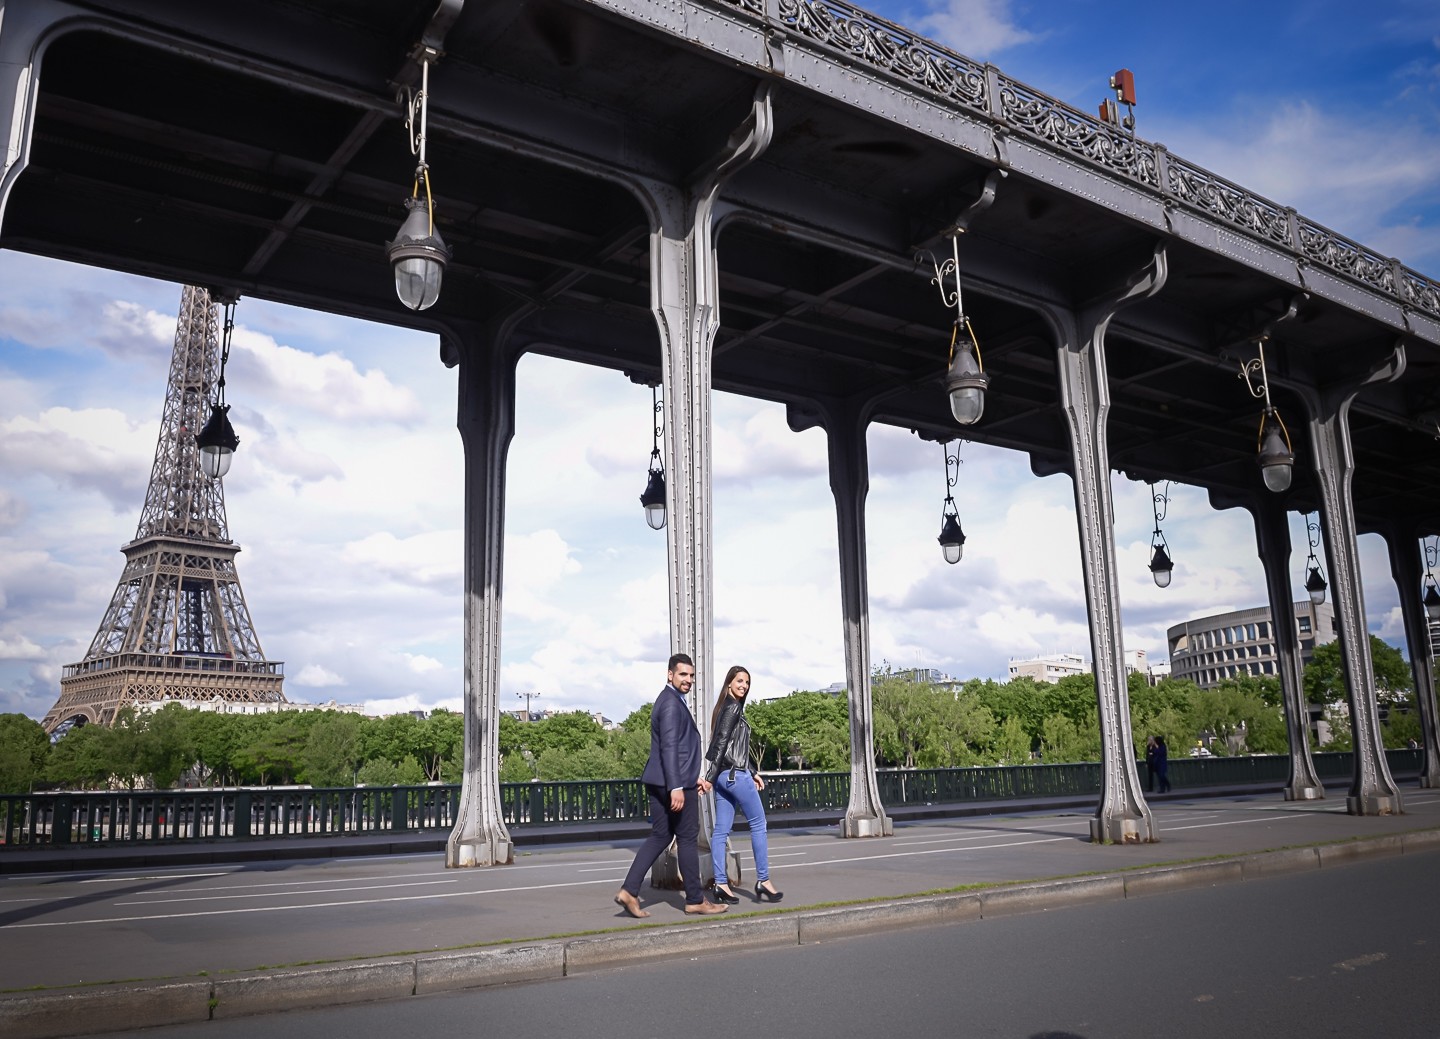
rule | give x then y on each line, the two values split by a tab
109	817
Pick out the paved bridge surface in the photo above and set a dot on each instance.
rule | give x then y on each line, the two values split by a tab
195	933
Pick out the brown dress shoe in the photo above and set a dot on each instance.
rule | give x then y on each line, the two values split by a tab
705	909
628	902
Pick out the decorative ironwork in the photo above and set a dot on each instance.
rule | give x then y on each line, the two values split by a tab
952	537
1274	452
863	37
888	46
1161	564
1230	202
1431	598
653	499
1314	579
1078	133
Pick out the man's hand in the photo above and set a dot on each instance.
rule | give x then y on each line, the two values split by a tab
677	800
705	786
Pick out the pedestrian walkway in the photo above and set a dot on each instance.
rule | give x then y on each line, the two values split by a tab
125	945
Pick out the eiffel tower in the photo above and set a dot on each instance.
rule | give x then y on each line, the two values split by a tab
177	627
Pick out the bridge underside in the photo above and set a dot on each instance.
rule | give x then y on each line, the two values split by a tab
276	164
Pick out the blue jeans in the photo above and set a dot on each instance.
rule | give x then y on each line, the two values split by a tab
729	796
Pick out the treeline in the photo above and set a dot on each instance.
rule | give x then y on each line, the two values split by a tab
979	722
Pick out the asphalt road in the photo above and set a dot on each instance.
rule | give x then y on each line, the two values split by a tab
1351	951
84	928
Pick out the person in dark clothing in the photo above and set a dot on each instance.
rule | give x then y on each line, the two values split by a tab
1150	746
672	779
1162	764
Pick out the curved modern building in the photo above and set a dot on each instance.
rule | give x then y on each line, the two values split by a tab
1208	650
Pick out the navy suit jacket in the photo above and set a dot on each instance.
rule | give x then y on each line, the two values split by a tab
674	744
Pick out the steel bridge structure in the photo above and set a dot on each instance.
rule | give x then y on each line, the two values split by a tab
732	194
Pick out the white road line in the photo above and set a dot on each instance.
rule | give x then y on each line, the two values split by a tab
103	921
156	876
266	894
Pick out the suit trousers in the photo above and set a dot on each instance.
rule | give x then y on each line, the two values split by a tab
682	826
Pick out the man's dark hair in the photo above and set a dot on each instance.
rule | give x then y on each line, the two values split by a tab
679	658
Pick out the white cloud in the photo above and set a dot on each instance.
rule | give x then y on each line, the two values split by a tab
328	384
314	676
421	664
19	648
978	29
1324	164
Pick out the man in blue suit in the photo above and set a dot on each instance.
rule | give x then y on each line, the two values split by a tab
672	778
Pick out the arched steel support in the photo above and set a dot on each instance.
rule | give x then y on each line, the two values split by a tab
1407	567
1272	536
487	424
1372	789
1122	815
845	426
685	298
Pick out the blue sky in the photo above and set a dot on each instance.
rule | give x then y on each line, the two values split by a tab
345	494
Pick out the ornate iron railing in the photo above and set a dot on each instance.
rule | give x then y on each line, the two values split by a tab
892	50
141	817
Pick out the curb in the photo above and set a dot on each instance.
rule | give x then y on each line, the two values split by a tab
73	1012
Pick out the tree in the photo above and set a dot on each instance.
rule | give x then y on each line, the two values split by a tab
811	729
80	760
441	741
331	755
24	752
1012	743
165	745
1064	740
1324	677
925	726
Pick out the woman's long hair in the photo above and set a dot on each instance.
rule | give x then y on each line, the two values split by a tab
725	693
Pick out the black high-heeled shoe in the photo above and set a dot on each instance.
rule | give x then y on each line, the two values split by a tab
723	896
761	895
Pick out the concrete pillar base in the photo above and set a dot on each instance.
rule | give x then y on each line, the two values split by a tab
479	851
1121	830
1305	793
867	826
1374	804
1429	782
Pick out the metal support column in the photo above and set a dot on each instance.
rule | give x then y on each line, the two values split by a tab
1272	535
845	426
487	424
22	31
685	298
1372	789
1122	816
1407	567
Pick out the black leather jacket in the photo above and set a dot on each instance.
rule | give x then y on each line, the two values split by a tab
730	742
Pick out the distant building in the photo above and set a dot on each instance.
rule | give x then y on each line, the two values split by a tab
1208	650
255	707
1050	668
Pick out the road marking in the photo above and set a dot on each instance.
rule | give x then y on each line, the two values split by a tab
263	894
156	876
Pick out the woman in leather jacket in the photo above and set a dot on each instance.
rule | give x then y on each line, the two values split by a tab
737	785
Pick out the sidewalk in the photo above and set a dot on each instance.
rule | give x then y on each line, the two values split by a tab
132	943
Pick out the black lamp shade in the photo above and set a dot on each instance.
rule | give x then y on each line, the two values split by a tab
1161	567
952	538
1432	602
418	257
966	383
217	443
1277	462
654	500
1315	585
